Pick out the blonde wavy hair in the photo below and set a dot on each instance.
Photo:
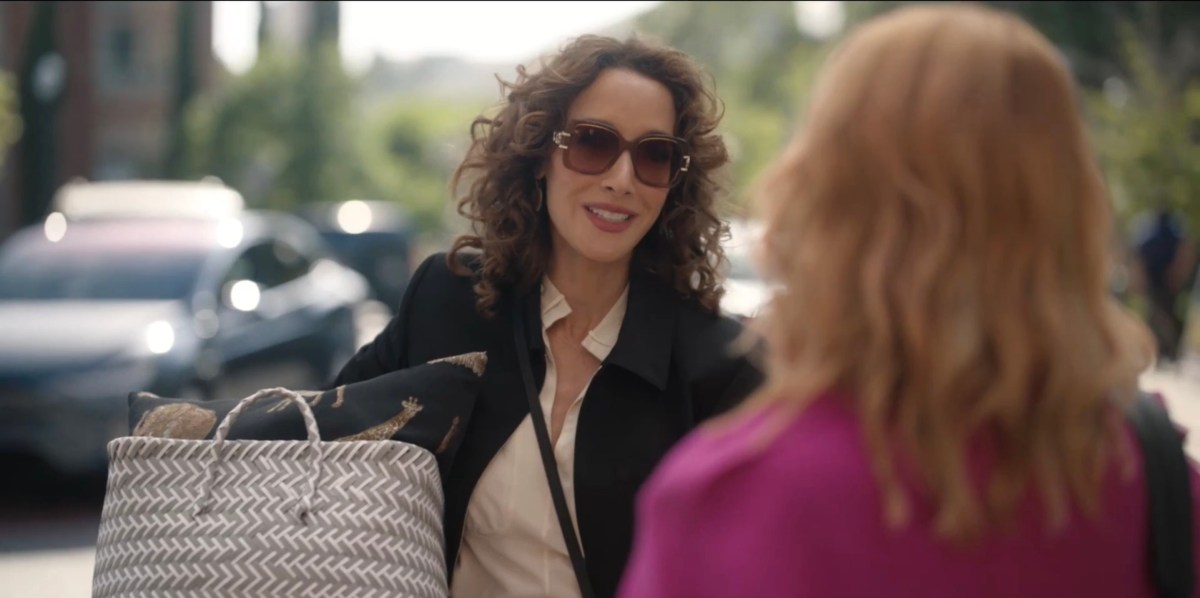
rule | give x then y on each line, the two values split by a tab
939	231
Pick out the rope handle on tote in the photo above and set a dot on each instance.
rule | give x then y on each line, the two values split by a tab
304	506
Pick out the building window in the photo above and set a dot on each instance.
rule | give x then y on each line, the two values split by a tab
122	44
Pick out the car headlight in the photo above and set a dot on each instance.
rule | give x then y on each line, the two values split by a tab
160	337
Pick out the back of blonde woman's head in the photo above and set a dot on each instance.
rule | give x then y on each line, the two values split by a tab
940	232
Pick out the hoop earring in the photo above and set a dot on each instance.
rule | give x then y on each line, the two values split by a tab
539	196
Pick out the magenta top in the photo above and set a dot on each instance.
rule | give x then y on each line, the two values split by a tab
723	518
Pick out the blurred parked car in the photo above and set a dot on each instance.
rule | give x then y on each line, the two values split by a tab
745	291
207	198
373	237
96	305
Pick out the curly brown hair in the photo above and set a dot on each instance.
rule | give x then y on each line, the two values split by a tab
510	224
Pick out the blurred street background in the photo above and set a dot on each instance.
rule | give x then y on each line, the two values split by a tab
201	199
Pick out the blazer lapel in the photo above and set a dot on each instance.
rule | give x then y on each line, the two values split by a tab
647	332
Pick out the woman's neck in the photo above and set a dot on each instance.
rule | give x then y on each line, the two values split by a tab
590	288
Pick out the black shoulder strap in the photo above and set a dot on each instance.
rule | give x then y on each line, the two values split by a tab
548	462
1169	499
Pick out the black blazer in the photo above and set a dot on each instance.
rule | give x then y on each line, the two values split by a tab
672	366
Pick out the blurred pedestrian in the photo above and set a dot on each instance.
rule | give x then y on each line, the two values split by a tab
1164	267
946	371
594	254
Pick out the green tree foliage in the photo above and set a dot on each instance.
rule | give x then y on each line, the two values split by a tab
322	164
235	135
10	121
290	131
411	150
263	35
1145	133
762	65
283	133
326	23
293	130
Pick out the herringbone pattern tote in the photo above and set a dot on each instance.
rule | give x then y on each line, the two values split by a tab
270	518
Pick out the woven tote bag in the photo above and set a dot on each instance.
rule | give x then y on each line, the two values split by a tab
270	517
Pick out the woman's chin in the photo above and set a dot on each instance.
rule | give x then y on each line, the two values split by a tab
603	256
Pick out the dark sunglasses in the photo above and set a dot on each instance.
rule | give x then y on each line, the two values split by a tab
590	148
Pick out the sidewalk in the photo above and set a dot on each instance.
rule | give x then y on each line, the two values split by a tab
1182	394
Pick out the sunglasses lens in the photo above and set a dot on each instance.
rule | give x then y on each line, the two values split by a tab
657	161
593	149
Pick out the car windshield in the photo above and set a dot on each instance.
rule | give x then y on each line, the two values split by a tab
86	267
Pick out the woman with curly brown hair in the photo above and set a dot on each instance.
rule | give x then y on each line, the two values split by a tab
948	377
594	258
